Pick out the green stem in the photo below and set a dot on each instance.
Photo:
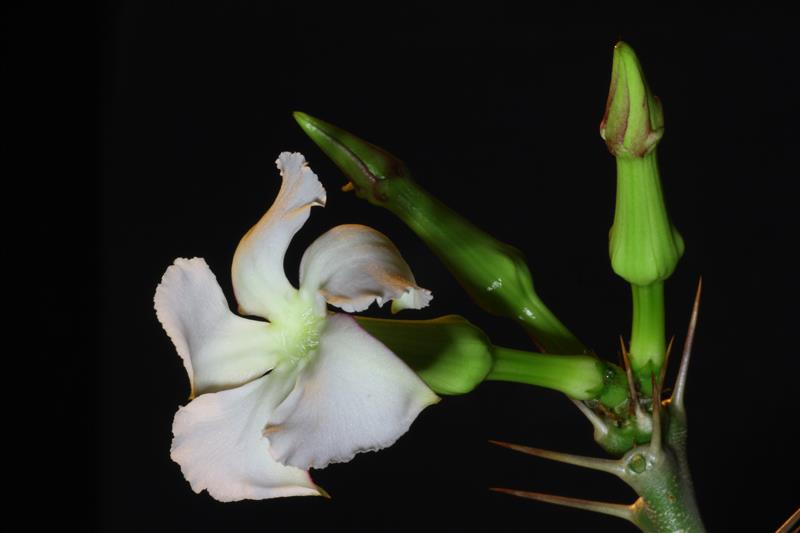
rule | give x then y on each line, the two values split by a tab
580	377
647	347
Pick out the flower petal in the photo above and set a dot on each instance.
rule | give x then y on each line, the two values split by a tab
259	280
354	396
220	445
219	349
354	265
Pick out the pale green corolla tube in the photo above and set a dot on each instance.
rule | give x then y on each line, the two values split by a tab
453	356
493	273
644	246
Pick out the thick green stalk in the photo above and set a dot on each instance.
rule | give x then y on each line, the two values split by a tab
647	346
580	377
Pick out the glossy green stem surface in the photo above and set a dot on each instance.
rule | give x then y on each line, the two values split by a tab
580	377
648	345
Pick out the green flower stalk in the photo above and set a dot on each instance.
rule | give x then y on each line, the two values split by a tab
644	246
493	273
454	356
581	377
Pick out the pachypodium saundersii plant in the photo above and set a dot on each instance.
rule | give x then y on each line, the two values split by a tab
270	400
646	433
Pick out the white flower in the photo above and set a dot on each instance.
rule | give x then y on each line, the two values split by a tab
306	388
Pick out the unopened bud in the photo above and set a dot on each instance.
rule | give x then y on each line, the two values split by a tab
633	122
644	245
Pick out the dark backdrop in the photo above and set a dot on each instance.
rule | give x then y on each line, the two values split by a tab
164	121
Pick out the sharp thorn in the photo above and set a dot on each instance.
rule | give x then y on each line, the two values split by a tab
603	465
634	405
612	509
599	425
655	436
664	366
790	524
678	393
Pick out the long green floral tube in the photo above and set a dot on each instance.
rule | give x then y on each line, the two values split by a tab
493	273
454	356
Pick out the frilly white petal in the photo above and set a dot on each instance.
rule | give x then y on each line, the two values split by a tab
219	349
220	445
259	280
353	265
354	396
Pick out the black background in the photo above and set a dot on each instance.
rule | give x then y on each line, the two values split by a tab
150	131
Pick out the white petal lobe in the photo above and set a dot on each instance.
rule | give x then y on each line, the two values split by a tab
354	396
259	280
220	445
353	265
219	349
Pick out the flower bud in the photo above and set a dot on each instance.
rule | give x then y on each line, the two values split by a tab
364	164
494	274
644	246
633	122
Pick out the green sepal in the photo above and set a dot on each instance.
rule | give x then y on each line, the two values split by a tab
451	355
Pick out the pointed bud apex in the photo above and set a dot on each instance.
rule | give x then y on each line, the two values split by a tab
364	164
451	355
633	122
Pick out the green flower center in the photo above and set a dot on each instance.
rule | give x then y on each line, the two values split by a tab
298	329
